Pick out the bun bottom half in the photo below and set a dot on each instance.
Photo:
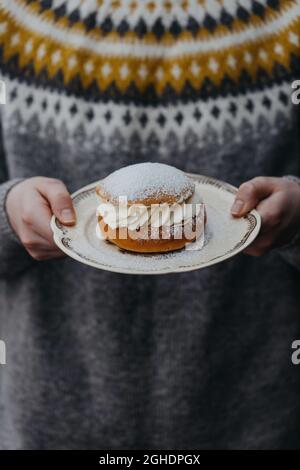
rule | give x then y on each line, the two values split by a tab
144	245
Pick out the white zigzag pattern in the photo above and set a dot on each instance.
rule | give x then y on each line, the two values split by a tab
211	7
137	49
118	110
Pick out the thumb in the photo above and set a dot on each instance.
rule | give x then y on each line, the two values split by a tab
251	193
59	200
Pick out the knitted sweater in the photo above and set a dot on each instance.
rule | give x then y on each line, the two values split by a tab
185	361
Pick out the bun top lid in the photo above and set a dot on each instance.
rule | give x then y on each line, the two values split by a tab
147	183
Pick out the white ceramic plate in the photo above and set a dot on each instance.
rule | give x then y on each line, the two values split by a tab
225	236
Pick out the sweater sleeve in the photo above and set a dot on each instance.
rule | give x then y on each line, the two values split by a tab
13	257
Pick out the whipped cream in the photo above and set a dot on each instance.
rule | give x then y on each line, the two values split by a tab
135	216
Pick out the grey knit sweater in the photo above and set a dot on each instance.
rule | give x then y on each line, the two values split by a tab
183	361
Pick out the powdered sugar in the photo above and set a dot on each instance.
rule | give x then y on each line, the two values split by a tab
147	180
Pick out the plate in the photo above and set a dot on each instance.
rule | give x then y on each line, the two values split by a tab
225	236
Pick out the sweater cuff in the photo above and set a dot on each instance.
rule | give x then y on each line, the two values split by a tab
7	233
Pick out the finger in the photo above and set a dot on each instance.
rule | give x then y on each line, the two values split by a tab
272	212
34	243
32	238
36	219
59	200
265	242
273	222
252	251
44	255
33	247
251	193
260	246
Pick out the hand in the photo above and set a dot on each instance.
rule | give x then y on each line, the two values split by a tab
30	206
278	202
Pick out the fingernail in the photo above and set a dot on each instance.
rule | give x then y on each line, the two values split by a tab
67	216
237	207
